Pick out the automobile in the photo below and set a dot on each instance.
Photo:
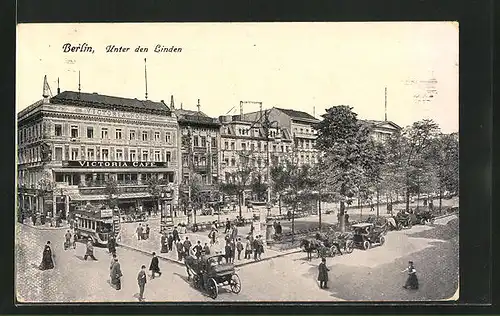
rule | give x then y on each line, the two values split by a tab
366	235
211	272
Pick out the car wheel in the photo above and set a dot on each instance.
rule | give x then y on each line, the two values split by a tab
422	221
349	247
382	240
366	245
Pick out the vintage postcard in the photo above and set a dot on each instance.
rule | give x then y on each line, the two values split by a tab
248	162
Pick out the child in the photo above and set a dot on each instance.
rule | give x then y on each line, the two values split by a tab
412	281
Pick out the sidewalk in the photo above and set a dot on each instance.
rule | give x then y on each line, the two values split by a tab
46	226
129	240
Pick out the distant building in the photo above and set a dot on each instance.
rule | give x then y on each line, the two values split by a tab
71	144
381	130
301	127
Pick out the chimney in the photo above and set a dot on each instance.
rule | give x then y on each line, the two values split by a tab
181	105
198	105
172	105
58	89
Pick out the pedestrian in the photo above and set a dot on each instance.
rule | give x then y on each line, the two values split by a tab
431	205
75	238
164	243
141	280
412	280
255	247
175	234
248	248
112	244
260	245
147	231
323	274
47	258
227	253
154	266
228	226
112	262
187	246
180	250
90	251
289	215
116	274
252	229
197	250
67	242
139	232
170	240
279	229
239	248
212	235
346	216
206	250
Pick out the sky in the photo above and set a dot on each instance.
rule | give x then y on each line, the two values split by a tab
303	66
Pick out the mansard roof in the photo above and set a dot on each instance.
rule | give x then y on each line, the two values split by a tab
104	101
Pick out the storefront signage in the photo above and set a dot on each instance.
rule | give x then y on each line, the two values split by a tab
106	213
115	164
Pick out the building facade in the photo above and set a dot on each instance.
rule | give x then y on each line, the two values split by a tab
246	142
71	145
199	147
380	131
301	127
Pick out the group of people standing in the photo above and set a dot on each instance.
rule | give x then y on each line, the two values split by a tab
142	232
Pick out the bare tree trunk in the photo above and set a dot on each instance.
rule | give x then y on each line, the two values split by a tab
407	198
319	210
342	216
440	198
293	222
279	203
378	201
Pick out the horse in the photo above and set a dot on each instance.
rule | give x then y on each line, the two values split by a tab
310	245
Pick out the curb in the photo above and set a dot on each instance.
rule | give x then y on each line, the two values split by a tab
149	253
45	228
237	265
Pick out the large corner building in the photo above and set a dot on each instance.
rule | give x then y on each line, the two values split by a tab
71	144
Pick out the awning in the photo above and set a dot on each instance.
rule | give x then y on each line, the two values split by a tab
85	197
103	197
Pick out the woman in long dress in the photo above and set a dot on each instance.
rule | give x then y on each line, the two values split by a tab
47	258
412	280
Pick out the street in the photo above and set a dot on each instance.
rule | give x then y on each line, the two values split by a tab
363	275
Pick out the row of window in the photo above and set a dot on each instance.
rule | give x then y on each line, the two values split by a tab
305	143
30	133
304	130
198	160
29	155
119	133
201	141
99	179
258	147
104	155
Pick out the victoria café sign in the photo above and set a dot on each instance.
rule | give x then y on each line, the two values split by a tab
115	164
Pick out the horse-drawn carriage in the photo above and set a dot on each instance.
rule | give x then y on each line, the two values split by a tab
367	235
328	244
210	272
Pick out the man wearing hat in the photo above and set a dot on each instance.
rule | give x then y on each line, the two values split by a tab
323	274
116	274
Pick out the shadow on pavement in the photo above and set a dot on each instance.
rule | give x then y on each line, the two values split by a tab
437	271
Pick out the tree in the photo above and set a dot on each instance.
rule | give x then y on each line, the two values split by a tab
155	188
112	191
195	192
415	141
279	176
299	184
259	188
348	155
240	179
443	158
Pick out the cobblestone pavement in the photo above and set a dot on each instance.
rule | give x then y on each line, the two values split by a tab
74	280
129	238
374	274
